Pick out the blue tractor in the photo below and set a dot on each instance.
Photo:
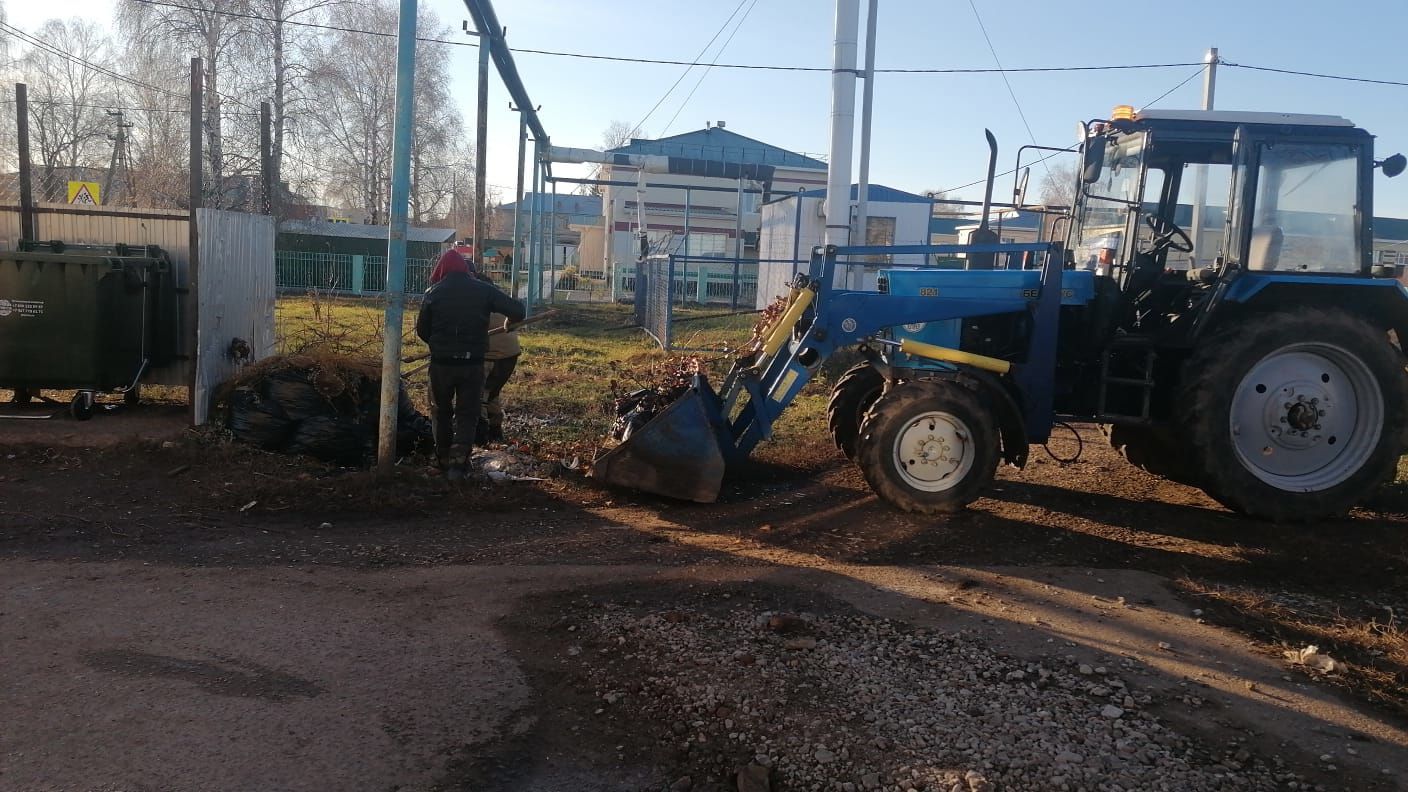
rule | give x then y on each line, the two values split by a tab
1257	356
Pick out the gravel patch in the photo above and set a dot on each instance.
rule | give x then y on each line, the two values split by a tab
766	700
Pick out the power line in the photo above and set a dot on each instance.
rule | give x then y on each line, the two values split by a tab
1008	172
1163	95
257	17
55	50
1313	74
684	73
705	73
1005	81
672	62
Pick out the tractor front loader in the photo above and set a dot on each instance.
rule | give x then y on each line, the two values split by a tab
1255	356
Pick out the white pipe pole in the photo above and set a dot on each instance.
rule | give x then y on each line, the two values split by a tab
867	102
843	120
1200	173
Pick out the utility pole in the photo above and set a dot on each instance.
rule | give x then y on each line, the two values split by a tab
518	204
843	119
118	162
197	188
867	101
396	236
27	230
1200	172
266	160
481	143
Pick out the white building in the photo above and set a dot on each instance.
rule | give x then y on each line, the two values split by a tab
700	222
791	226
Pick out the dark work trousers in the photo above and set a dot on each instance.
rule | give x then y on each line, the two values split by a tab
455	388
496	376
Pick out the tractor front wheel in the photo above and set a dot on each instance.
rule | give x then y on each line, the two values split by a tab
855	391
928	446
1295	416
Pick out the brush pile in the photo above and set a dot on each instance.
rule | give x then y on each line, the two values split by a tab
322	404
634	408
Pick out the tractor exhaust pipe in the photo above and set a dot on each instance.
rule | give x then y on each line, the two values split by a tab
984	235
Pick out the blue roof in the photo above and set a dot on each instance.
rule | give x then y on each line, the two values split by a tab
877	192
950	225
572	205
721	145
1391	228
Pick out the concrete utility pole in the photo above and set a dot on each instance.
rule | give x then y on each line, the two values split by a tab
843	120
518	203
867	101
1200	173
396	236
481	144
27	225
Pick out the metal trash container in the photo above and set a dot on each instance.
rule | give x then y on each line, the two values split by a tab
85	319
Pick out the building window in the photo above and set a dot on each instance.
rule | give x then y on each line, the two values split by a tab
707	244
879	231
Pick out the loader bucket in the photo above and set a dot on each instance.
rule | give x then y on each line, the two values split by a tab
680	453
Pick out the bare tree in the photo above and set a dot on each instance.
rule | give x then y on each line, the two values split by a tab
67	123
352	81
160	133
1058	186
212	30
284	39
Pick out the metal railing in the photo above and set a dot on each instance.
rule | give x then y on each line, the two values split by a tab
342	273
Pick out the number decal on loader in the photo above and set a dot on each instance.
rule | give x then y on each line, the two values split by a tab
928	291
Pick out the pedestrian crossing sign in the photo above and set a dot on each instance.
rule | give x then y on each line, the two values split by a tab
81	192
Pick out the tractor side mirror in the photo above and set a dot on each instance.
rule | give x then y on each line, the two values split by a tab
1093	159
1392	166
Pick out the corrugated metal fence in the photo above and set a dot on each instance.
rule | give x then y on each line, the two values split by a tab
236	296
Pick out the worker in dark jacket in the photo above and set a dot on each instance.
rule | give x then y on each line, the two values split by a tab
454	323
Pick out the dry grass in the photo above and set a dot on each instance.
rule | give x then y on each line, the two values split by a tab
1371	636
558	401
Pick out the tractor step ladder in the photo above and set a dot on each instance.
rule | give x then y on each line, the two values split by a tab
1145	382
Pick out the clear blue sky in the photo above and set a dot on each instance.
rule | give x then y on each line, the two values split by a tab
928	128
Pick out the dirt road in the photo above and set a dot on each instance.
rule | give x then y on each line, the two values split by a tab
198	617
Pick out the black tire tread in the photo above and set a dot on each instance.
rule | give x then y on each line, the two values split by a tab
874	445
1212	369
847	407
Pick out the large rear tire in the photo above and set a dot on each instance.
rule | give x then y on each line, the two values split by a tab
851	399
1295	416
928	446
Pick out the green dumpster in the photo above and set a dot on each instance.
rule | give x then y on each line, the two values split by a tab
84	320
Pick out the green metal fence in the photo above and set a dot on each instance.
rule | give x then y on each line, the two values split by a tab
342	273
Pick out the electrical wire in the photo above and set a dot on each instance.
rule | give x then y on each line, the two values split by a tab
705	73
1165	94
1007	82
1007	172
684	73
672	62
55	50
1080	446
1313	74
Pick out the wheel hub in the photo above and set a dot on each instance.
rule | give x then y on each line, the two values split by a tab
934	451
1306	417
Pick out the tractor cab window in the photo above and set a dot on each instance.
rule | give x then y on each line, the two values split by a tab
1306	201
1106	205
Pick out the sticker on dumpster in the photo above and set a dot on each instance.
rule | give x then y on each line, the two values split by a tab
21	308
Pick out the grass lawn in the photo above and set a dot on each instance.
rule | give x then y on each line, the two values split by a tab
559	399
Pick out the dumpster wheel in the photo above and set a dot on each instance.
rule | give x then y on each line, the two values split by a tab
81	407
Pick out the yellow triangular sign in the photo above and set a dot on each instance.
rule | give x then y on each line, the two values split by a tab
83	193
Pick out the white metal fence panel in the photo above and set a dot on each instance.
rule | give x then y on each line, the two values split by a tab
235	297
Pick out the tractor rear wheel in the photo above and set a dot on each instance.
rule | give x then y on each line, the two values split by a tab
1295	416
928	446
855	391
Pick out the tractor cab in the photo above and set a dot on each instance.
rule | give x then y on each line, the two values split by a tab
1172	203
